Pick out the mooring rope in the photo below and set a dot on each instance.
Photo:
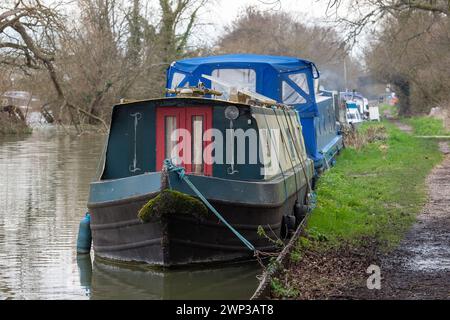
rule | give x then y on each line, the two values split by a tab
182	175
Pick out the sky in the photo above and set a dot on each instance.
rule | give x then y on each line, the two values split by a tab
226	10
216	15
219	14
223	12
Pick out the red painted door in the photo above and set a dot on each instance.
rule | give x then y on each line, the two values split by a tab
181	137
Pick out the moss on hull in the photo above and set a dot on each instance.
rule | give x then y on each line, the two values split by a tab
171	202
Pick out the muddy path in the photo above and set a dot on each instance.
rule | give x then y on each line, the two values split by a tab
402	126
420	267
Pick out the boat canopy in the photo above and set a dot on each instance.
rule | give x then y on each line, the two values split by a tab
349	95
287	80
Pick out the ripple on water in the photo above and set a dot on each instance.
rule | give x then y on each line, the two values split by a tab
43	193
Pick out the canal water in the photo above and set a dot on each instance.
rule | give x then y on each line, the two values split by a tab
44	185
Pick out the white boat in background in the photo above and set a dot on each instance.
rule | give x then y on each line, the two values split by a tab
353	115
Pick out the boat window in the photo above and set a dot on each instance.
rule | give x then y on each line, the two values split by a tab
263	141
290	96
291	145
290	136
272	141
300	80
171	126
277	142
197	144
177	79
298	137
239	78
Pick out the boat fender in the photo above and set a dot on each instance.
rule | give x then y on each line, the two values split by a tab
300	211
84	235
290	222
284	231
314	182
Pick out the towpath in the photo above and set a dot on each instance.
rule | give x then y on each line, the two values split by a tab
420	267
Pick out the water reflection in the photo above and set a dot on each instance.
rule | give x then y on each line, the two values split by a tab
43	191
104	280
44	180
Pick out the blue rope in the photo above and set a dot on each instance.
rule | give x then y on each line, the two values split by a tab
182	174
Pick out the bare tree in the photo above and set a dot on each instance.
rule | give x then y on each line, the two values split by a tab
415	62
409	45
178	19
27	37
368	14
279	33
109	50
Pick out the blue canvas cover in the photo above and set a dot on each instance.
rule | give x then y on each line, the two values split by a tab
270	72
272	75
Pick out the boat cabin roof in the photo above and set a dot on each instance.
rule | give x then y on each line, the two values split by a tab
138	134
287	80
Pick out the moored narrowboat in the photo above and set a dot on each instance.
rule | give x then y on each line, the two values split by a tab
246	156
354	117
356	98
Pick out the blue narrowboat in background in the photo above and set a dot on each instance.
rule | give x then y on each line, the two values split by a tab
287	80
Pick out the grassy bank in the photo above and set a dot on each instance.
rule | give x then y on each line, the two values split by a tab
388	110
372	195
375	191
426	126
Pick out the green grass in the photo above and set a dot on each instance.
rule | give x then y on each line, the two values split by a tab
280	289
392	110
425	126
375	191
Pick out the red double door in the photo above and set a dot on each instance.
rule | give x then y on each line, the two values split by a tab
180	136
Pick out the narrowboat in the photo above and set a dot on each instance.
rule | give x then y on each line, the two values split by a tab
354	117
361	102
287	80
243	152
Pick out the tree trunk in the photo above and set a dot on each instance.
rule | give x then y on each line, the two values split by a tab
402	85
